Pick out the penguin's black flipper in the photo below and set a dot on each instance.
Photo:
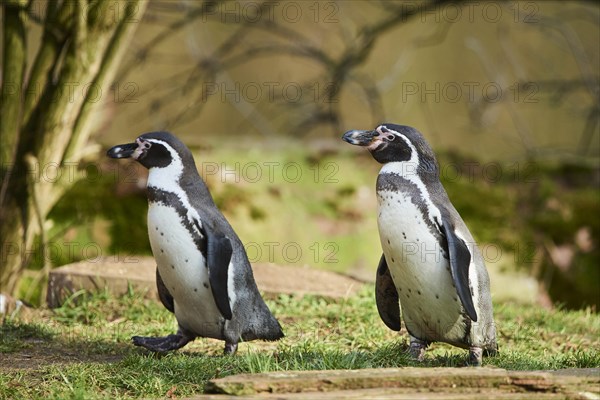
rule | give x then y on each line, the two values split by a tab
460	259
386	296
163	293
219	251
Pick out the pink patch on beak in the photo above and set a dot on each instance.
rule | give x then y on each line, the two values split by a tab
140	149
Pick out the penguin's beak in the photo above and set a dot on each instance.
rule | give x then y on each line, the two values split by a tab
360	138
122	150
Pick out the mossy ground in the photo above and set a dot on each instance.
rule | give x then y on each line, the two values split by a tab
83	349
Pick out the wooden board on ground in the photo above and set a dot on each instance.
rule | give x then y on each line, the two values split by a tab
139	273
412	383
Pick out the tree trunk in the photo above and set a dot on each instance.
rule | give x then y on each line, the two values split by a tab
48	123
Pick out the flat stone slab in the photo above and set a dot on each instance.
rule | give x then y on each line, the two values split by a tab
409	383
278	279
139	273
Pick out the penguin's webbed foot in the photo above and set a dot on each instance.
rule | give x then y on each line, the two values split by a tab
230	348
417	348
162	344
475	356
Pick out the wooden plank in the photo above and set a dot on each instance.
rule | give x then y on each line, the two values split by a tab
486	383
139	272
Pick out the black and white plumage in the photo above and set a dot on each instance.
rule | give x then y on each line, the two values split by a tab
431	270
203	273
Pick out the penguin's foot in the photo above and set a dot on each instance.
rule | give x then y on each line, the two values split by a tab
491	351
475	356
230	348
417	348
164	343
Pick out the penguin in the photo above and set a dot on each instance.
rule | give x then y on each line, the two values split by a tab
203	274
431	270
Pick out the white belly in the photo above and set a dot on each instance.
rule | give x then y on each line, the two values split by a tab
429	302
182	269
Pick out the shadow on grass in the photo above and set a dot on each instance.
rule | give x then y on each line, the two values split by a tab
15	336
34	346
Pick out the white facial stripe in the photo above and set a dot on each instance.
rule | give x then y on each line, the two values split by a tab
159	142
137	152
408	170
167	179
374	144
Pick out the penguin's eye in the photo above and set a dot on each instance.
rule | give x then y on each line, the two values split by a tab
384	133
143	144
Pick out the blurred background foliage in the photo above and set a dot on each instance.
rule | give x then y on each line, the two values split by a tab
505	91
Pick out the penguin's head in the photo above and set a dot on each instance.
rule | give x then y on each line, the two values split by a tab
153	150
394	143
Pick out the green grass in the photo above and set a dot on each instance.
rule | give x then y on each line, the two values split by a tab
83	349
